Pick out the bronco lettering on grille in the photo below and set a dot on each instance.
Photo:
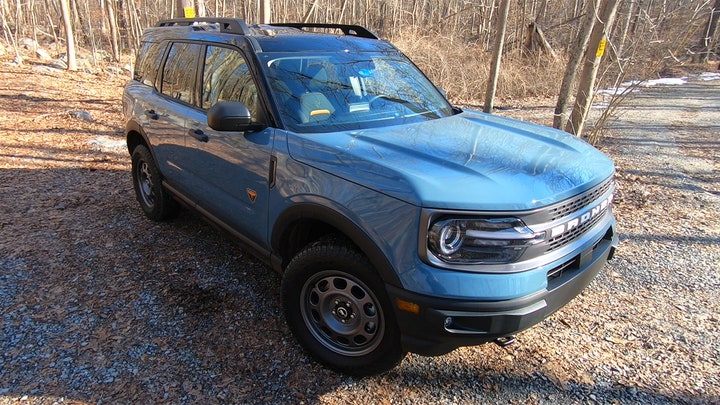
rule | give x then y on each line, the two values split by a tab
582	218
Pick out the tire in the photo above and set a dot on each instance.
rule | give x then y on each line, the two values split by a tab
337	308
155	202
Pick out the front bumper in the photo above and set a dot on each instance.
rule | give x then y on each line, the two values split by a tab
433	326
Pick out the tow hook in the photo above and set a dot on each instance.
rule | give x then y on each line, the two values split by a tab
504	341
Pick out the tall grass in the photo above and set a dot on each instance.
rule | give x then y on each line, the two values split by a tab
462	69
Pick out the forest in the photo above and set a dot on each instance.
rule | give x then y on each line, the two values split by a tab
560	49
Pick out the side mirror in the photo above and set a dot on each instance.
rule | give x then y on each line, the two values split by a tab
231	116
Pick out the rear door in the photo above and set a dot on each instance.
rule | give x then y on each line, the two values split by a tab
166	109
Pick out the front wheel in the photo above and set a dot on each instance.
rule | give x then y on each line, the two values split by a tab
336	306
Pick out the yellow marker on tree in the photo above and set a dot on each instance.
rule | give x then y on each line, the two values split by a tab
189	12
601	48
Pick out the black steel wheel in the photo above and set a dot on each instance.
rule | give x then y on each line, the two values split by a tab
155	202
337	308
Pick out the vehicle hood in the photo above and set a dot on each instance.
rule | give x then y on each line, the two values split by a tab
470	161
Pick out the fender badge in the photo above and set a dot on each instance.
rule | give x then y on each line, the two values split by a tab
251	194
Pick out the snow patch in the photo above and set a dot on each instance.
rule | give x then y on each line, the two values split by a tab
707	76
667	81
613	92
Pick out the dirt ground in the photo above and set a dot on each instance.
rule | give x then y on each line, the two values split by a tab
99	304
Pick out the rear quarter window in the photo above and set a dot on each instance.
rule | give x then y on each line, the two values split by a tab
178	80
148	62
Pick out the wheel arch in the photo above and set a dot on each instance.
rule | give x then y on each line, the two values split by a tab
304	223
136	136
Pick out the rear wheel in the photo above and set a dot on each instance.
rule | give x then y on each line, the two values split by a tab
155	202
337	308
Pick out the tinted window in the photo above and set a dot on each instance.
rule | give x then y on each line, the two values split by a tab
227	78
148	62
179	72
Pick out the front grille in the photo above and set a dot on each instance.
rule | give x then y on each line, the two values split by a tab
578	203
574	206
567	237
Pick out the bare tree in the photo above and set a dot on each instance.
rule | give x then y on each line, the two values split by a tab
69	37
200	7
186	8
705	45
497	56
573	65
9	38
112	22
310	12
264	11
593	54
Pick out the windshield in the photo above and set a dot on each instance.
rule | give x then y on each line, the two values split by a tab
342	91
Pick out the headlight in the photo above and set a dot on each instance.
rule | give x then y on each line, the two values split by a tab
481	240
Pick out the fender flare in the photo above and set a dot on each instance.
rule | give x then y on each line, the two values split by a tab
134	126
321	212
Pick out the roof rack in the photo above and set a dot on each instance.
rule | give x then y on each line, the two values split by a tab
230	25
354	30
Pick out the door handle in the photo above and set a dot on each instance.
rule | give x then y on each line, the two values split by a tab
199	135
152	114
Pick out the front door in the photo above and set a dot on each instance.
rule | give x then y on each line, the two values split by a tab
229	170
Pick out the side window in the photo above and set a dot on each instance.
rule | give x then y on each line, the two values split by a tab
228	78
179	73
148	62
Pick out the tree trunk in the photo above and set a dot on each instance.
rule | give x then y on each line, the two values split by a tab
110	7
69	38
310	12
573	65
706	42
593	54
201	9
535	42
132	20
9	38
625	28
264	12
497	56
91	33
186	9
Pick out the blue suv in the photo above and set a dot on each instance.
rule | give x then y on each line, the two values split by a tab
398	222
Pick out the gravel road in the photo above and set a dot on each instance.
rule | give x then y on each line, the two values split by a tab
100	305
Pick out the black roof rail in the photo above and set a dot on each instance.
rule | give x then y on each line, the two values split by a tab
354	30
231	25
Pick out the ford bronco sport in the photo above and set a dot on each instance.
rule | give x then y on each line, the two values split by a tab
398	222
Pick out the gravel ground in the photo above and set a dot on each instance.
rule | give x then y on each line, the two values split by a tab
100	305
